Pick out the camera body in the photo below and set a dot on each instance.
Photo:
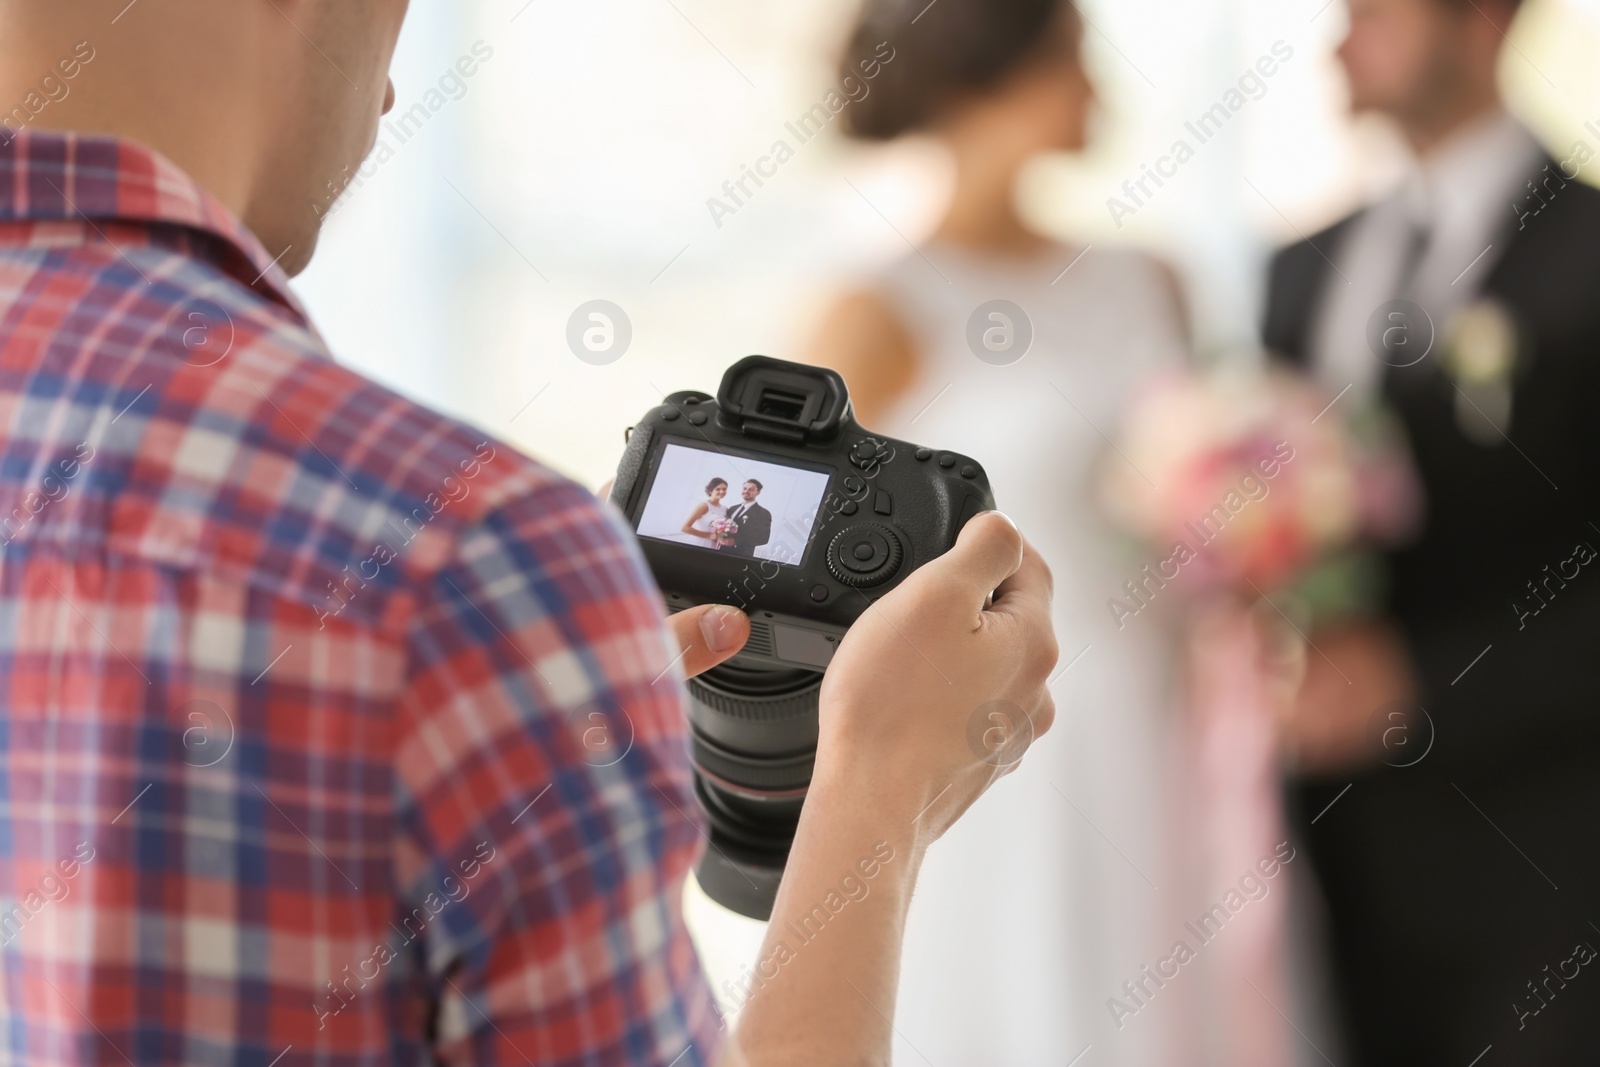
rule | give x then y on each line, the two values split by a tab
865	512
771	497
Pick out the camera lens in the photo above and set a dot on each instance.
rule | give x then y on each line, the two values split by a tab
753	740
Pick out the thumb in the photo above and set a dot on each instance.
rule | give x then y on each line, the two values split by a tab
986	553
708	634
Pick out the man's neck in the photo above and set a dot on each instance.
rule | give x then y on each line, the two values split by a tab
200	121
1429	135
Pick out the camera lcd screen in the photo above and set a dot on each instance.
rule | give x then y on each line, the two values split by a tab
734	504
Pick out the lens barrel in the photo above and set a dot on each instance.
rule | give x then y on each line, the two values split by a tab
753	742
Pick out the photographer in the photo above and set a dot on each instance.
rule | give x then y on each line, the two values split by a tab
314	670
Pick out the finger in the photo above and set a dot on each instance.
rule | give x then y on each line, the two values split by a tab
1026	592
987	552
1044	716
708	634
604	492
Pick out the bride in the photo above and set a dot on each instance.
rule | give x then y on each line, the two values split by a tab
708	511
1043	901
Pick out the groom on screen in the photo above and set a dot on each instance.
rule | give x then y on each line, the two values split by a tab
754	523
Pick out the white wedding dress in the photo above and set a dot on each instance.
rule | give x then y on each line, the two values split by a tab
713	512
1041	901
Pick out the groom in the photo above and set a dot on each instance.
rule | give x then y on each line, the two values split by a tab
754	523
1493	243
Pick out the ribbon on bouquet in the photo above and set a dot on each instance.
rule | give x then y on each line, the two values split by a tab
1235	819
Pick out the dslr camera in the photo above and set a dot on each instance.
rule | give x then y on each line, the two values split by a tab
772	498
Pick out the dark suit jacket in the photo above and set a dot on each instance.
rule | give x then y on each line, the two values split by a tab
1441	878
755	530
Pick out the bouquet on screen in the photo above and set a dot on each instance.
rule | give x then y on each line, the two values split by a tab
1251	483
722	529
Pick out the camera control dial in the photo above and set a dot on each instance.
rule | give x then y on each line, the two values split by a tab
865	555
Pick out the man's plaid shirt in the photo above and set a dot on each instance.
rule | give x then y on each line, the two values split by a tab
330	731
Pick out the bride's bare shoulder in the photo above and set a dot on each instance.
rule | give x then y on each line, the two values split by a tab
864	338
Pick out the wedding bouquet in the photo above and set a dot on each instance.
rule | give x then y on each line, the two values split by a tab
1256	498
723	528
1250	481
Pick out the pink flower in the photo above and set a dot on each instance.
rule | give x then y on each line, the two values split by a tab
1260	474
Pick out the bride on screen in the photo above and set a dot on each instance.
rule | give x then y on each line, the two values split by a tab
698	525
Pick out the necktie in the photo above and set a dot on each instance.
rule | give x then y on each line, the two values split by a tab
1416	249
1420	334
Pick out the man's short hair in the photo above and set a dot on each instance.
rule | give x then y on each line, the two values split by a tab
752	481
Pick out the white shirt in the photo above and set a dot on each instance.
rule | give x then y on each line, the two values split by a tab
1463	193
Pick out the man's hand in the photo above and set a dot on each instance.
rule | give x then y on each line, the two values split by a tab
708	635
932	694
908	710
1352	674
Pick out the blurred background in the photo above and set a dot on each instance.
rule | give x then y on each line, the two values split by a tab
576	164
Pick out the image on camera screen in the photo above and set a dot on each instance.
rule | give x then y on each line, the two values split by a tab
732	504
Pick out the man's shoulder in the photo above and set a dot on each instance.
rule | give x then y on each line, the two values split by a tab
1562	216
1295	278
262	457
1313	254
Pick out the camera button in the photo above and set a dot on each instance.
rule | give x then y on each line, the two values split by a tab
924	454
946	460
969	471
819	593
853	485
670	415
849	507
698	417
863	453
881	503
868	552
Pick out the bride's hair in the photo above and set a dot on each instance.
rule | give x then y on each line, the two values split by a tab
963	49
711	486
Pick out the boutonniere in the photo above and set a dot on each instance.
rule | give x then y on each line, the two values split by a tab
1480	354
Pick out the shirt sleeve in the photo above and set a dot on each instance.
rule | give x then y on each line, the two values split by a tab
545	807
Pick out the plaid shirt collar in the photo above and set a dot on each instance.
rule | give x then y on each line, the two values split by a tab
52	177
